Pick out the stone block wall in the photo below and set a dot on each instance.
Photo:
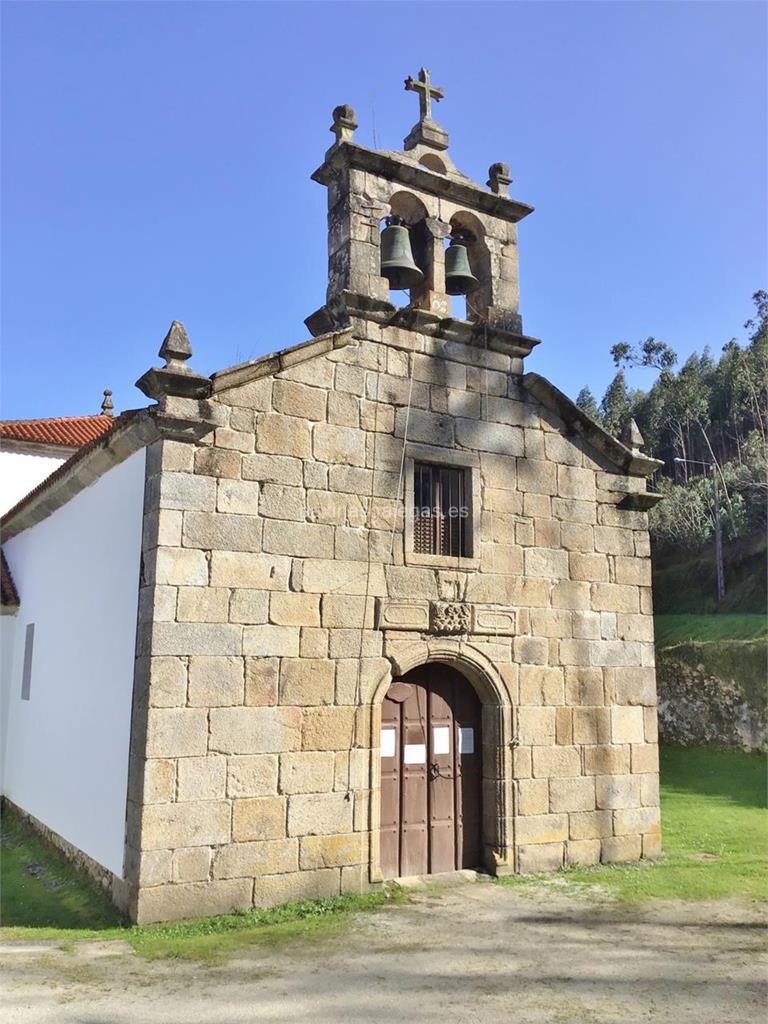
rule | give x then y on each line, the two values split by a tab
269	547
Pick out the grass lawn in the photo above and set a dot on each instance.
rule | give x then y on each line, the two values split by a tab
675	629
715	829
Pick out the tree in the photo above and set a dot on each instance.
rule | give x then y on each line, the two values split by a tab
616	407
650	352
586	402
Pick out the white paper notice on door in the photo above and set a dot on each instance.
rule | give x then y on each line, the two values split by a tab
441	739
387	742
415	753
466	741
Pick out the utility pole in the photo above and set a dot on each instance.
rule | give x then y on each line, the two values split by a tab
719	566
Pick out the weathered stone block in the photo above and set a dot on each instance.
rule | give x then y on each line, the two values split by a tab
307	682
544	857
155	867
283	435
606	760
201	778
573	482
533	796
344	446
536	726
185	491
258	818
636	820
215	682
546	563
167	683
591	725
202	604
238	497
531	650
541	828
590	824
645	757
176	732
347	611
271	641
584	686
616	849
254	730
181	568
612	597
553	762
588	568
188	638
617	791
541	686
307	772
250	607
159	781
276	469
303	539
250	775
536	476
252	859
217	462
567	795
270	890
649	790
196	823
295	399
322	576
318	814
218	531
582	852
635	686
328	728
193	899
627	725
294	609
331	851
261	675
249	569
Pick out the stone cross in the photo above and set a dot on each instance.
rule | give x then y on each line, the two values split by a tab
427	92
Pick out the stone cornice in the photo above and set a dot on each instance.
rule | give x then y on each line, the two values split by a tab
629	460
404	170
274	362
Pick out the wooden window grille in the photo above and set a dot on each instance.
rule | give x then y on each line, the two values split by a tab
441	523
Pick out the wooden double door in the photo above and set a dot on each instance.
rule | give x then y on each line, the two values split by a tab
431	774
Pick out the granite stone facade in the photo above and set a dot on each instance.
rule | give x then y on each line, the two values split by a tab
281	593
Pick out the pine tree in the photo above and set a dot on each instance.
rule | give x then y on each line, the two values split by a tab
586	402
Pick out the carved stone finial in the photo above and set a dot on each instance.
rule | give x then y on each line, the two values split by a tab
427	92
631	436
107	406
175	378
499	179
176	348
344	123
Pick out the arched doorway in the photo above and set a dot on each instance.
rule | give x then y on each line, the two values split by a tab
431	773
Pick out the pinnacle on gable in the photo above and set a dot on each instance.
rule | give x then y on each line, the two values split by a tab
176	347
631	436
107	405
175	378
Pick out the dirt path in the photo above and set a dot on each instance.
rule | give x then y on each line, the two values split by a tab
478	954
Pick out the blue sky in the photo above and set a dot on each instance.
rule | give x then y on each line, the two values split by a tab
156	163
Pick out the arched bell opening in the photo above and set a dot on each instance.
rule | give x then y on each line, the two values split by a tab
442	796
406	257
468	266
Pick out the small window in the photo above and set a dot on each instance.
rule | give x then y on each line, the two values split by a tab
440	511
26	674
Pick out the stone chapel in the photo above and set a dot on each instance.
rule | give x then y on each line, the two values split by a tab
383	605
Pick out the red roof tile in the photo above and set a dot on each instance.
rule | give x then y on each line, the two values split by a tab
67	431
8	596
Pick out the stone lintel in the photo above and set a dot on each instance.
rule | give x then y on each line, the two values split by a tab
445	617
630	462
394	167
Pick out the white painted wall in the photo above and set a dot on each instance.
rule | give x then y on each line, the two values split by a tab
21	471
66	749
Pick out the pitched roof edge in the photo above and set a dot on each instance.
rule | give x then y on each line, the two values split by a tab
275	362
130	431
630	461
9	595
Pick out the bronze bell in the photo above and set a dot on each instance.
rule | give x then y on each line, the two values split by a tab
397	263
459	278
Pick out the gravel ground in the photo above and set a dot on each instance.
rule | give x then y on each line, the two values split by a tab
475	954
